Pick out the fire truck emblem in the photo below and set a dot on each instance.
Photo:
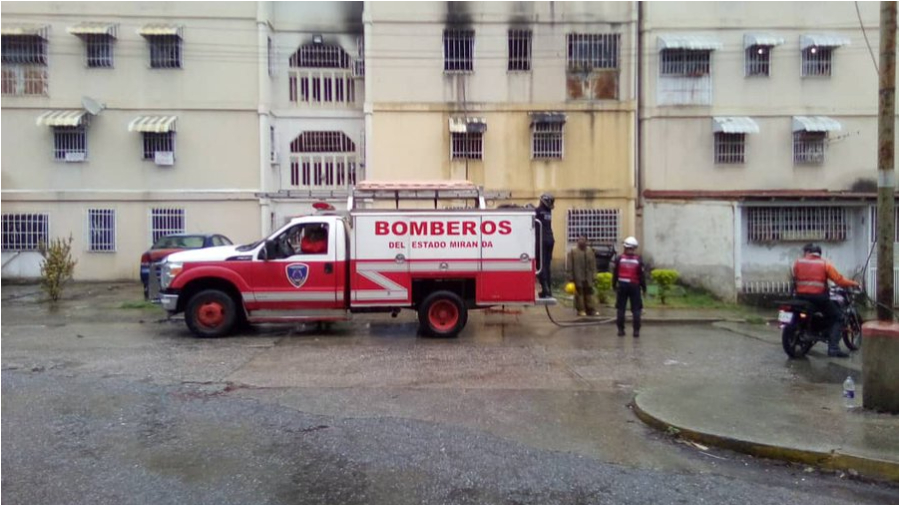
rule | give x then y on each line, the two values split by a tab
297	274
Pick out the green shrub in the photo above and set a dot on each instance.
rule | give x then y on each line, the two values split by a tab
603	284
57	266
665	279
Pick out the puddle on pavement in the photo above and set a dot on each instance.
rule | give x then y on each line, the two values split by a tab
817	371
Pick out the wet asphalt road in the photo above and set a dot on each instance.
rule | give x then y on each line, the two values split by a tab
106	405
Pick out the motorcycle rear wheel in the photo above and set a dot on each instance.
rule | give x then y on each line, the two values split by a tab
852	331
793	343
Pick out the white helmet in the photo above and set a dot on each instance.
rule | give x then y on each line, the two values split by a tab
630	242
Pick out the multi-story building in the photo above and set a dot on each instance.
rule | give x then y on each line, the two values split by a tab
758	134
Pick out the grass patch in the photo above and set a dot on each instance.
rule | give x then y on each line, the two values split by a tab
142	304
686	297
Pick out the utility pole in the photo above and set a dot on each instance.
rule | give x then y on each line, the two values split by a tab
887	177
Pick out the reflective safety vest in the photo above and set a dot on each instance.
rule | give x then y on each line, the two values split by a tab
629	269
810	276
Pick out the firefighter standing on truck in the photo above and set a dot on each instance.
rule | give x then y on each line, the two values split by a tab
628	280
545	242
811	275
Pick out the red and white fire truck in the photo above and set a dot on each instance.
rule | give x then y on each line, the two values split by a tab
329	265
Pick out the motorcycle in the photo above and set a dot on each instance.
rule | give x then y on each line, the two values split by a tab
802	325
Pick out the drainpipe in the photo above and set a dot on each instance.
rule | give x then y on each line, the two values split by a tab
262	112
639	51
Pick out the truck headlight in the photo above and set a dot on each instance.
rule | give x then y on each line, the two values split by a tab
169	271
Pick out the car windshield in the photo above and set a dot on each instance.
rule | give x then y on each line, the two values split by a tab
180	241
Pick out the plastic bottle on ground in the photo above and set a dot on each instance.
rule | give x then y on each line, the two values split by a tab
849	393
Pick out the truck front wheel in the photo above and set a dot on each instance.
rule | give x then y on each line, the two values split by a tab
442	314
211	313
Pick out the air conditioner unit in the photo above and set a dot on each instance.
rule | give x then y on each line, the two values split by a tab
74	156
165	158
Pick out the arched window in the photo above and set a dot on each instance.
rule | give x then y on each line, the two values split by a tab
320	74
320	56
323	160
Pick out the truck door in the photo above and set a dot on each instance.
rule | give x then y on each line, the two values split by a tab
303	274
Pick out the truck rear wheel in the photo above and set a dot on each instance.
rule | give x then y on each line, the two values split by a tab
442	314
211	313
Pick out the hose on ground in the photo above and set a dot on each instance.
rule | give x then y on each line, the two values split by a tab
577	323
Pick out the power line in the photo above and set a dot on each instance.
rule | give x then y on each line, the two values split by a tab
863	30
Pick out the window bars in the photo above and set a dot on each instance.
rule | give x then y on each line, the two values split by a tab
24	65
756	61
25	232
466	145
165	51
332	170
519	55
320	56
600	226
589	51
809	147
684	62
547	140
323	142
270	56
316	87
24	50
729	147
459	50
816	62
98	50
157	142
165	221
101	230
796	224
69	144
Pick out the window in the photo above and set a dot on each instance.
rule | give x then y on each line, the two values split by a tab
547	140
323	159
165	51
600	226
273	153
729	147
684	63
163	142
466	145
69	144
816	62
24	65
519	56
165	221
589	51
809	147
320	74
756	61
98	50
459	50
271	57
101	230
359	64
796	224
25	232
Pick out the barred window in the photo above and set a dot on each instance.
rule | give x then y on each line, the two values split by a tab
165	221
25	232
24	50
547	140
600	226
323	159
165	51
684	62
328	79
757	61
729	147
519	55
158	142
98	50
466	145
809	147
101	230
320	56
270	56
69	144
796	224
24	65
359	63
588	51
816	62
459	50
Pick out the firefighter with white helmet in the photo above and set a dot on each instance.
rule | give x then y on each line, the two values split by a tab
629	282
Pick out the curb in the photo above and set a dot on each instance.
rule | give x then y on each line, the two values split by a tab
871	468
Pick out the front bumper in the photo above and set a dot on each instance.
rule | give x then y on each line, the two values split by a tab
169	302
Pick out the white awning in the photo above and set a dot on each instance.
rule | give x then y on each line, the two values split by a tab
463	125
42	31
153	124
690	42
62	118
94	28
822	40
547	117
761	39
735	125
815	124
159	29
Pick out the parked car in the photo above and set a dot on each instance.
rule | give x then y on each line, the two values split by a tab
168	244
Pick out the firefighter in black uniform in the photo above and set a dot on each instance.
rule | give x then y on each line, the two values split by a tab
545	242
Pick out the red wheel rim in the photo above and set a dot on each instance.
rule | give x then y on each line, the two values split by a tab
443	315
211	314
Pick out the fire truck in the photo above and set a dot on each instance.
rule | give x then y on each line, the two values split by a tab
327	266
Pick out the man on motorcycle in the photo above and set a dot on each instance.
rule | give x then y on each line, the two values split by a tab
811	275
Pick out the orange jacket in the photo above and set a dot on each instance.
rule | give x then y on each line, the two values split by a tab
811	275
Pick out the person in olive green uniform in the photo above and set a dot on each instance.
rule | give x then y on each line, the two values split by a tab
582	270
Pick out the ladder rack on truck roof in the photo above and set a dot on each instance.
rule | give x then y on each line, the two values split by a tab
416	190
